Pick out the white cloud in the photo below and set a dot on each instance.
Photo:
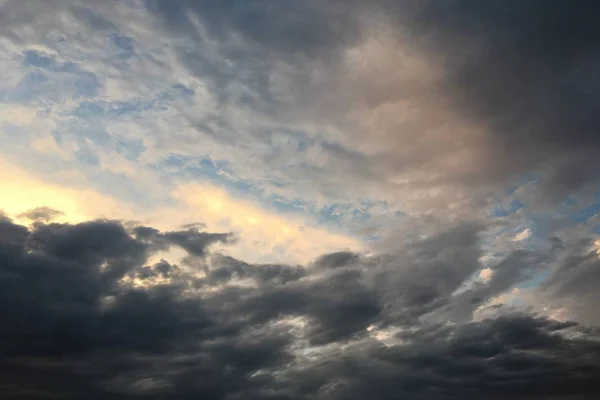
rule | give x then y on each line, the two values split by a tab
523	235
486	274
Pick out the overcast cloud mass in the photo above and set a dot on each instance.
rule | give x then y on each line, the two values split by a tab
323	199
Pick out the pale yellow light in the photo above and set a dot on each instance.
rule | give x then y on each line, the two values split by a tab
263	235
216	205
21	191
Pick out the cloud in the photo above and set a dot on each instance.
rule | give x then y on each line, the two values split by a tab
523	235
572	284
83	311
502	359
17	115
191	240
262	235
260	231
526	77
486	274
435	113
335	260
44	214
23	192
455	101
367	105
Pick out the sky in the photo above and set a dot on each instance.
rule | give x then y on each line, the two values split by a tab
323	199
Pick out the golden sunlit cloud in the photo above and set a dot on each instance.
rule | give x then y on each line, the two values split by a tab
596	246
523	235
486	274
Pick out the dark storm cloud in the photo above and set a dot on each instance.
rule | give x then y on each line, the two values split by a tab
191	239
338	306
422	277
335	260
70	325
527	71
195	242
515	357
82	314
225	268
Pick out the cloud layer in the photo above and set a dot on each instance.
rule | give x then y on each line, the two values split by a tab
83	312
423	97
299	200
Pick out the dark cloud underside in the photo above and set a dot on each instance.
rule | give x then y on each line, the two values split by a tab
83	314
527	71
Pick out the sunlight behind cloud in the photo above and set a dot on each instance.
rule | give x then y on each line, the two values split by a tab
264	236
21	192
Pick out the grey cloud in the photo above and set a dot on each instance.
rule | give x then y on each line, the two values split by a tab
499	359
71	325
160	269
305	28
522	76
452	100
335	260
40	14
526	73
44	214
574	282
430	105
224	269
515	268
195	242
192	240
337	306
73	322
422	277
